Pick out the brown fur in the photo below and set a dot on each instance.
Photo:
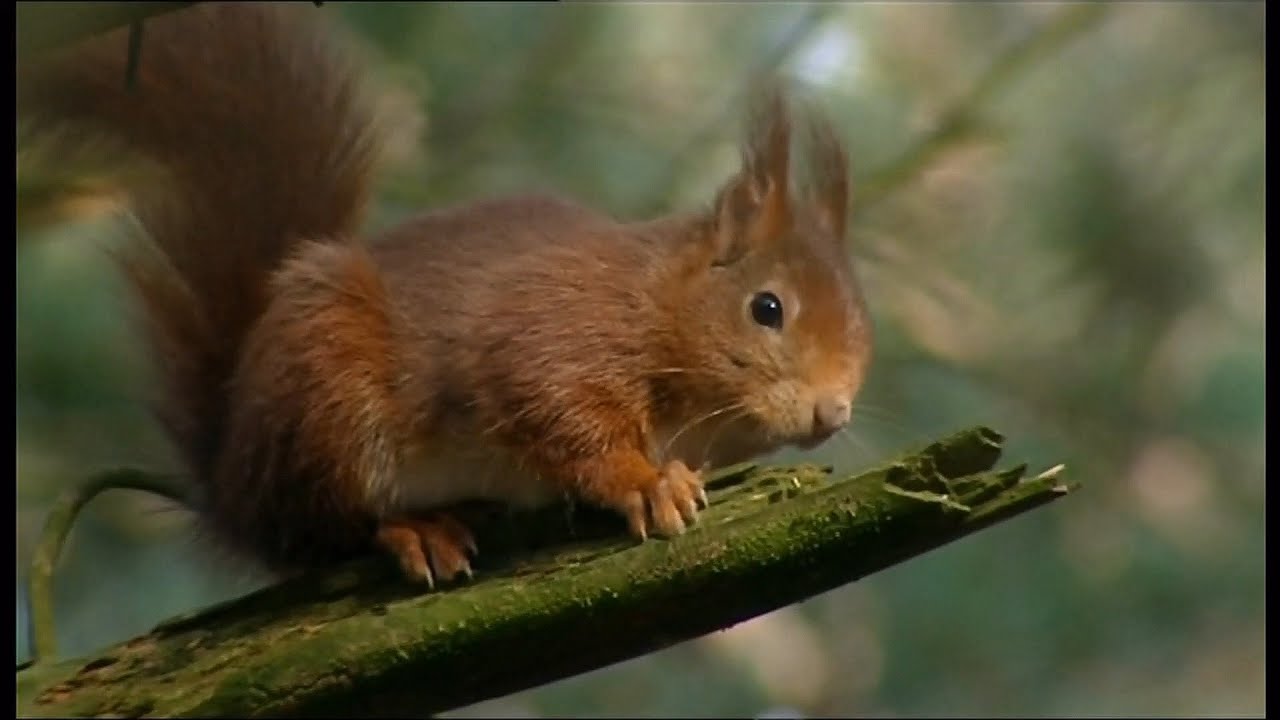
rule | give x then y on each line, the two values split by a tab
314	418
325	391
266	144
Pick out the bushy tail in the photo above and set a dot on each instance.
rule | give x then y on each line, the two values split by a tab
257	123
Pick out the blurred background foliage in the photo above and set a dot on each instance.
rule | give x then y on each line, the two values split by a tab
1059	222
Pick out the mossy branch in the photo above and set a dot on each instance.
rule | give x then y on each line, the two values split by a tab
557	594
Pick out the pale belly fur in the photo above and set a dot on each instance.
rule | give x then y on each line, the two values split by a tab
450	472
446	475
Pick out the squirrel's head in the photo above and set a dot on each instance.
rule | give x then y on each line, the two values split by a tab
776	321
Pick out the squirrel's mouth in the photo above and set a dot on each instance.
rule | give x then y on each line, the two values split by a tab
813	439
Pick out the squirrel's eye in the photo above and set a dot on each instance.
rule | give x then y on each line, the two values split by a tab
766	309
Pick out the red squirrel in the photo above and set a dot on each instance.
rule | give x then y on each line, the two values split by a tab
330	396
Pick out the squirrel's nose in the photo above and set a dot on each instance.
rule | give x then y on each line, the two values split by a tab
830	414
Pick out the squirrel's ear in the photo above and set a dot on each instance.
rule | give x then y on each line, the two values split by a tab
829	166
754	207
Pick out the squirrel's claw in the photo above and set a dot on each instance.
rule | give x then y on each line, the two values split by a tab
439	537
671	503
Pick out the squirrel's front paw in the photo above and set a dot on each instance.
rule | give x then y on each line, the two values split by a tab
672	502
444	541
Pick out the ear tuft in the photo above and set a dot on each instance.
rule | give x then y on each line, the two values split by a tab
829	168
754	208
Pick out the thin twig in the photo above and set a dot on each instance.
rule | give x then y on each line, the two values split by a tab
135	53
56	528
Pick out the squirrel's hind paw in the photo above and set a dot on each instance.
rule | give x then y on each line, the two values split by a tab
429	546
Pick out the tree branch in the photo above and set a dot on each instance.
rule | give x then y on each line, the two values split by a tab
556	595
